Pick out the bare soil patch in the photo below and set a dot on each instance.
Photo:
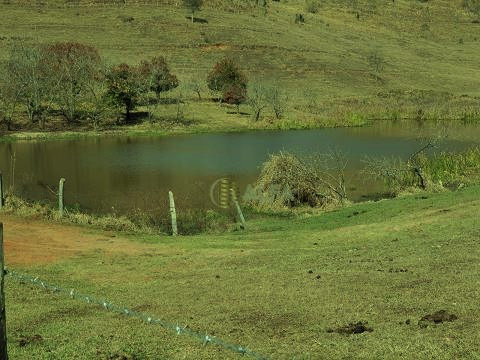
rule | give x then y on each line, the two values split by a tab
32	242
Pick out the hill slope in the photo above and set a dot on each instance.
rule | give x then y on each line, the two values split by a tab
426	52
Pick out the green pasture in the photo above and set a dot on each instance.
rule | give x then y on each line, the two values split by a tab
276	288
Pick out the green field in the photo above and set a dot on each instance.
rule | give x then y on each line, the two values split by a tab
428	53
285	284
276	288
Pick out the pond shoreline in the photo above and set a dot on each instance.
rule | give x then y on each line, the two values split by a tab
153	131
150	130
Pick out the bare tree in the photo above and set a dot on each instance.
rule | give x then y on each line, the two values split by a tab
278	100
71	67
194	85
9	100
100	109
257	100
398	174
26	73
330	170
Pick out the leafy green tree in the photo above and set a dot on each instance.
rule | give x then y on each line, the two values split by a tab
124	87
157	75
225	75
193	6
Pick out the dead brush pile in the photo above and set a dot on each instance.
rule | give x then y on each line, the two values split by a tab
288	180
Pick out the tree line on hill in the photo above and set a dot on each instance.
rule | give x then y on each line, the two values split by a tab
69	80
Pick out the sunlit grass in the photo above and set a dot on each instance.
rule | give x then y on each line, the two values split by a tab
277	288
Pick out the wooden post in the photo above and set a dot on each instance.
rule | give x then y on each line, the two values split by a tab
60	197
173	214
239	210
1	191
3	319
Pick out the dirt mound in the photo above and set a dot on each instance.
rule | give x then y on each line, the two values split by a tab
436	318
352	328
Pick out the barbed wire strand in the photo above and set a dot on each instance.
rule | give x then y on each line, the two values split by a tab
179	330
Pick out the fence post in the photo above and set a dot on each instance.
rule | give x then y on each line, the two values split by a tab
239	210
60	196
1	191
173	214
3	320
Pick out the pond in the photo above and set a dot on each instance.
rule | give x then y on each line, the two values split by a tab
122	174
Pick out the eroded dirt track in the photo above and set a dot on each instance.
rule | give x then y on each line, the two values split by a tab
30	241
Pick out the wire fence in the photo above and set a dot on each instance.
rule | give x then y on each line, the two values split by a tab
179	330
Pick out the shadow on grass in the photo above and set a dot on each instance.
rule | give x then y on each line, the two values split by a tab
197	20
238	113
137	117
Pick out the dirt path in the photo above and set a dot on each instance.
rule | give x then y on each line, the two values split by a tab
30	241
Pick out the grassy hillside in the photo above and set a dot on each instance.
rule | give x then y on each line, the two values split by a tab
427	52
277	288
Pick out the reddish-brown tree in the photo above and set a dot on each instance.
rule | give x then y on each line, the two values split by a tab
236	94
225	75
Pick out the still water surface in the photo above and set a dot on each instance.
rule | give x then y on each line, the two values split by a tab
122	174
